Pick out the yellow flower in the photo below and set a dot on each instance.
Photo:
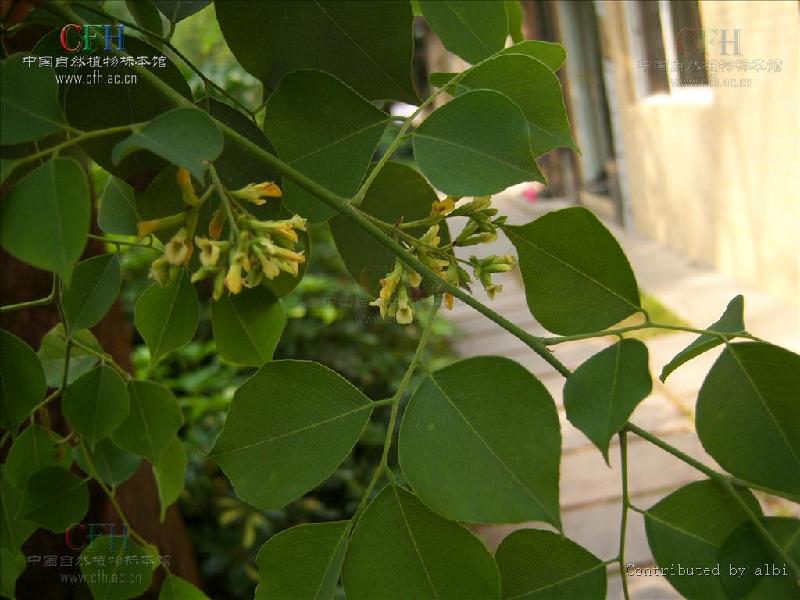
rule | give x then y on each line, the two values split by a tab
257	193
177	250
404	314
381	304
233	280
444	207
448	300
219	285
159	269
493	289
187	189
268	268
414	278
209	251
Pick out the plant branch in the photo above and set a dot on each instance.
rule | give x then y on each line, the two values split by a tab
551	341
726	482
623	529
395	403
108	240
223	196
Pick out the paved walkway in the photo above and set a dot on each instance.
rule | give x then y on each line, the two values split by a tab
590	490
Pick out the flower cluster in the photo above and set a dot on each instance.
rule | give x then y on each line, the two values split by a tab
256	250
403	283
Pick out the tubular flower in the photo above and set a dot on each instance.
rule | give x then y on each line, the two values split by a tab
442	208
187	189
177	251
257	193
390	282
210	251
268	268
233	279
159	270
404	314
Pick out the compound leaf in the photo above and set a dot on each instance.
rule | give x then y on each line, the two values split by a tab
473	30
476	144
96	403
29	106
248	326
748	414
152	422
167	317
492	414
55	499
92	292
538	564
602	393
186	137
117	554
731	321
688	528
289	426
325	130
44	220
577	279
22	383
302	562
418	553
368	45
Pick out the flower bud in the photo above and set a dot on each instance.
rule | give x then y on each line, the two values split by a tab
257	193
187	189
177	250
233	279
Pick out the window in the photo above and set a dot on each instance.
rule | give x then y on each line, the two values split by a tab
663	36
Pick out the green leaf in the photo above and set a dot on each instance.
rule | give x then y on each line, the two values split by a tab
96	403
170	474
152	422
35	449
167	317
751	568
748	414
93	107
532	86
12	564
178	10
247	326
492	414
289	426
29	106
551	54
44	220
574	287
145	14
476	144
325	130
688	527
237	165
302	562
162	198
175	588
6	168
22	383
731	321
186	137
367	45
118	212
398	192
417	553
514	19
55	499
112	464
541	564
53	348
125	571
14	532
472	29
92	292
602	393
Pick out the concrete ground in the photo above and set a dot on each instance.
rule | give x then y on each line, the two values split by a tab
590	490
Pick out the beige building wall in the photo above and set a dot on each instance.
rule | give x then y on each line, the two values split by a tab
718	178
